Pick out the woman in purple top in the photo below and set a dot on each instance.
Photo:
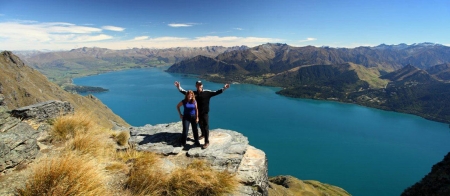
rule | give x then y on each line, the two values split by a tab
189	116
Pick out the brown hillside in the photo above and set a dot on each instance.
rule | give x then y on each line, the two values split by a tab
22	86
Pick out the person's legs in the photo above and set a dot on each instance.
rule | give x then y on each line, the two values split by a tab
206	126
205	129
200	123
195	131
185	131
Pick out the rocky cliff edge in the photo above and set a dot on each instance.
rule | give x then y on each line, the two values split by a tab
228	150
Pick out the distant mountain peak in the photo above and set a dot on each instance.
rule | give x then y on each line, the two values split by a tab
398	46
425	44
274	44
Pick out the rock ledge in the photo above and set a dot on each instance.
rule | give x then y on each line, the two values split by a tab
228	150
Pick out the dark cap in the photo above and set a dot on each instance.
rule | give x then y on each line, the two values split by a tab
198	83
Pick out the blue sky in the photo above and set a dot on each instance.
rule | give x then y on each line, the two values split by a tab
122	24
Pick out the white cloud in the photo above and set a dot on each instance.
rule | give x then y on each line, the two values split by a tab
67	42
113	28
168	39
308	39
89	38
32	35
69	28
141	38
171	42
41	31
235	39
215	38
239	29
179	25
27	35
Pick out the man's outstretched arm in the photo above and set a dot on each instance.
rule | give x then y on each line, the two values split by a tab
177	84
214	93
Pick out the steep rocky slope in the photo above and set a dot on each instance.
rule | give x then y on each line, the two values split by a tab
22	86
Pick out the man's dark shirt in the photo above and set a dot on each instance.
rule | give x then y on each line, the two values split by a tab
203	98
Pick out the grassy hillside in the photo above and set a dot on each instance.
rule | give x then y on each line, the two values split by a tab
22	86
370	75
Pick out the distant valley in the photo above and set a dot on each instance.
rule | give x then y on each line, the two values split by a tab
62	66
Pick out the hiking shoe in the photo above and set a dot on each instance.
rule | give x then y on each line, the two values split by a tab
205	146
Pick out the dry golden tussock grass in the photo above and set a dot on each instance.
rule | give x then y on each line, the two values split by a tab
146	177
66	127
66	174
97	145
128	154
83	136
198	178
122	138
117	166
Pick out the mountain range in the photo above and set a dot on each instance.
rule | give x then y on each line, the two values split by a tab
275	58
406	78
62	66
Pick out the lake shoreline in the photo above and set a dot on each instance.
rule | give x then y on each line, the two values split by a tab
217	80
422	115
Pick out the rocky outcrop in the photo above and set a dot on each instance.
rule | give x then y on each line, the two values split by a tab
228	150
437	182
18	146
44	110
18	140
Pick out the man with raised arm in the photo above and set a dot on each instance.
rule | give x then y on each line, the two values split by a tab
203	96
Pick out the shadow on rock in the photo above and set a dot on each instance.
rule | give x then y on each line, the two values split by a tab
172	139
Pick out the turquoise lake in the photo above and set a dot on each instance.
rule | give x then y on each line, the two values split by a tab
363	150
